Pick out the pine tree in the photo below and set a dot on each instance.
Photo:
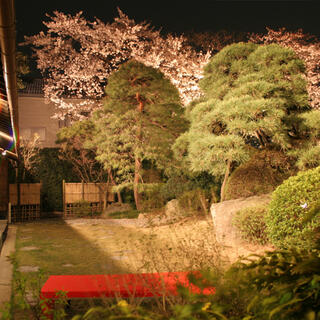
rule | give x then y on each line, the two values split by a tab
141	118
253	96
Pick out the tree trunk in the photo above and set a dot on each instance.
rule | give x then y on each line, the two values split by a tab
110	175
137	165
222	195
136	193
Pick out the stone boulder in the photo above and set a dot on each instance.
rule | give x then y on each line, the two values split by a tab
222	214
173	209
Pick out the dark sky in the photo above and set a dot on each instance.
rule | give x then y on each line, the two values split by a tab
179	16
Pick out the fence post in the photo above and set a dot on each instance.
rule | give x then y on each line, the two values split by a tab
9	212
82	190
64	197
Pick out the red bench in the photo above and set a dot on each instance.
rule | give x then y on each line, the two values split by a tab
115	285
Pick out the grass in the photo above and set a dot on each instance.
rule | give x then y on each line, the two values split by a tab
130	214
70	247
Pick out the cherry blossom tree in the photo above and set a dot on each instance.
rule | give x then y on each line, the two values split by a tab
307	47
76	57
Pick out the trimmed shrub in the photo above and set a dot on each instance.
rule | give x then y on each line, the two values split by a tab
82	208
195	201
293	216
251	224
260	175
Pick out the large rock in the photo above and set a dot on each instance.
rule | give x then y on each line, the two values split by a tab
223	213
173	209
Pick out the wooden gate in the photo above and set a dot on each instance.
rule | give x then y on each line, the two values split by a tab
29	208
95	194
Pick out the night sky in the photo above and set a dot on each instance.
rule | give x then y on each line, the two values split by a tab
179	16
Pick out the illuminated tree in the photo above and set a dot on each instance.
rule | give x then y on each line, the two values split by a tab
77	56
141	119
253	96
307	48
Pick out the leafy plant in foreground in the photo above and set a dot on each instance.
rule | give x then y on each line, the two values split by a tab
286	285
251	224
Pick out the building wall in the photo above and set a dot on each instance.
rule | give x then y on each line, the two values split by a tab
35	116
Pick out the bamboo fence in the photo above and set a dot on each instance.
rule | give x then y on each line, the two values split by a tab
95	194
29	208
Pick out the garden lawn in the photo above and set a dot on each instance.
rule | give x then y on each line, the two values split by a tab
85	246
58	247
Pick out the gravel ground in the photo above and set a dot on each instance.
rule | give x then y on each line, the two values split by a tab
136	223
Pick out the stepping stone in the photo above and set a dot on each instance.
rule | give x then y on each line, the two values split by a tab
28	268
118	258
67	265
105	237
25	238
29	248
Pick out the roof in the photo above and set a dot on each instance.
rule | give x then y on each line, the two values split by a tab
33	88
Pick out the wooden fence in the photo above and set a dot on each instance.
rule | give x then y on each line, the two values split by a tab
95	194
29	208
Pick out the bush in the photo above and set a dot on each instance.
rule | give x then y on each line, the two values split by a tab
260	175
82	208
194	201
129	214
251	224
284	284
293	216
152	196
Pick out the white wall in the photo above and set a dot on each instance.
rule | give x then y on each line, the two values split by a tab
36	116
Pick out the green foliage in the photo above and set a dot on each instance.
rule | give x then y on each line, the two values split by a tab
25	302
180	182
251	224
283	284
141	118
51	171
152	196
265	170
22	68
131	214
82	208
309	153
293	216
253	95
195	201
74	142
